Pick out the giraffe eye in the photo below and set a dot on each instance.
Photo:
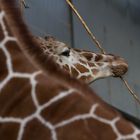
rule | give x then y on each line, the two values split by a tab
66	53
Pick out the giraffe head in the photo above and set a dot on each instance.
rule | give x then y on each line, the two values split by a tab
84	65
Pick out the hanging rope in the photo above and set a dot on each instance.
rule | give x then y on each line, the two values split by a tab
86	27
130	90
99	46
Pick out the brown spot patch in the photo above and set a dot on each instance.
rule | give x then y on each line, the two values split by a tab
3	66
100	64
78	50
9	131
66	67
43	47
51	50
74	72
15	99
91	64
49	45
81	68
1	33
65	108
86	79
95	71
75	131
83	78
82	61
124	127
88	129
98	57
89	79
60	60
47	89
88	56
102	130
19	60
35	130
104	113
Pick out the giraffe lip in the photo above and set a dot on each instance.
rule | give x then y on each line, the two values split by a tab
119	70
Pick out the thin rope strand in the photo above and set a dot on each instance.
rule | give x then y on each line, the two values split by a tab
130	90
86	27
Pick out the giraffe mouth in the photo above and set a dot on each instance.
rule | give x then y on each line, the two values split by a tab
119	70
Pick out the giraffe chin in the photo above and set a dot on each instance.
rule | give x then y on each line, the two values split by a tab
119	70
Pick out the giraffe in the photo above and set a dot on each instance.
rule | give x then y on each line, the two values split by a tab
84	65
42	102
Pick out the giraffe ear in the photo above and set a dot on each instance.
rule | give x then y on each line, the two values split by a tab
49	38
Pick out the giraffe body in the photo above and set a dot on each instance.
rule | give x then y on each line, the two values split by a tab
40	104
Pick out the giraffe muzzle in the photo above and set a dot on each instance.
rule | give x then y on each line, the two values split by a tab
120	69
